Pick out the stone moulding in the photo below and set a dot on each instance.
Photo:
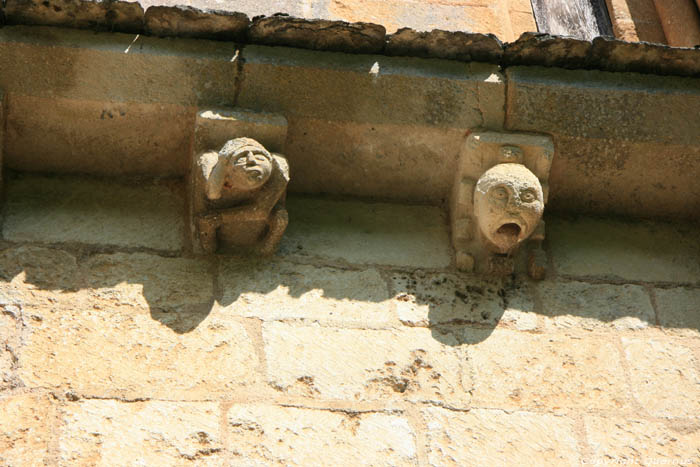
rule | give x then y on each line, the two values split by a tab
531	49
499	194
238	182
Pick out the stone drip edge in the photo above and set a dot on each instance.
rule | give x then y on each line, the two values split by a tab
531	49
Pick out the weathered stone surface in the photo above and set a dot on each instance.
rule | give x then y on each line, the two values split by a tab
533	48
375	89
25	429
659	368
10	316
32	269
114	69
642	442
144	327
603	53
141	280
429	299
100	138
651	179
514	370
285	291
187	21
608	129
318	34
252	8
112	15
607	248
478	16
349	438
213	127
588	306
108	432
67	210
450	45
353	364
364	233
679	310
594	104
387	161
496	437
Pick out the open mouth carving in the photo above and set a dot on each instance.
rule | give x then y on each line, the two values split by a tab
511	230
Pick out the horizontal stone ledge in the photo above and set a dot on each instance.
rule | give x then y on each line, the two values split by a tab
603	53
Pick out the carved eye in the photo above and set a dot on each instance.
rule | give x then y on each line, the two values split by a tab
499	193
528	196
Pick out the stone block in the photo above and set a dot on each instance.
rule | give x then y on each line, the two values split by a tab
497	437
515	370
284	291
125	16
579	305
451	45
148	281
617	249
429	299
117	68
26	425
252	8
363	233
659	368
264	435
612	129
651	179
478	16
140	433
634	441
679	310
99	212
364	364
188	21
213	127
98	138
603	105
318	34
413	163
376	89
32	275
136	326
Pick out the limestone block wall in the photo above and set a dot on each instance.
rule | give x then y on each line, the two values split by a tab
358	344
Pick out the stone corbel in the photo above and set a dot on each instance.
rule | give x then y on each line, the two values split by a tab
238	182
499	195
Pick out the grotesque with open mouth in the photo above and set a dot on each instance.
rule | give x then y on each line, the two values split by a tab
508	205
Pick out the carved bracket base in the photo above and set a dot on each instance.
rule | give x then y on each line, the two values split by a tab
499	194
238	182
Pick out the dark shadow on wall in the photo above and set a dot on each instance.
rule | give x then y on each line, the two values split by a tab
181	292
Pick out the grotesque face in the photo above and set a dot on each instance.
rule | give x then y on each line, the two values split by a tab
249	165
508	205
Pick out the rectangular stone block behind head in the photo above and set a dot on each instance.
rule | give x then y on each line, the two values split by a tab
216	126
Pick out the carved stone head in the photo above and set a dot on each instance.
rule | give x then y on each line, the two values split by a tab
508	205
243	165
